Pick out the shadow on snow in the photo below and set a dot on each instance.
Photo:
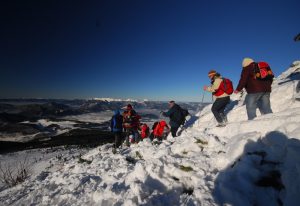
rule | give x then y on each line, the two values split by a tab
267	173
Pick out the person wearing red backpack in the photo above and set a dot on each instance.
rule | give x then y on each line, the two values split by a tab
161	130
144	130
257	79
218	88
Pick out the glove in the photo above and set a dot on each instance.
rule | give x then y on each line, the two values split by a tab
205	88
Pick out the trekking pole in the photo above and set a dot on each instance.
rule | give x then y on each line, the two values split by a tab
203	97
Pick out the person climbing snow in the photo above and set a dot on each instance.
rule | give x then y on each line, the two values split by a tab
221	96
177	116
257	79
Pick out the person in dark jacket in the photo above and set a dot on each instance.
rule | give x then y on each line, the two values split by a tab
116	126
176	117
258	91
131	122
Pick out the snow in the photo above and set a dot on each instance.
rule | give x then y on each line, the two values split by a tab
205	165
107	99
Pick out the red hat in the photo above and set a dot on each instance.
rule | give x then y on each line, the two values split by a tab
129	106
212	73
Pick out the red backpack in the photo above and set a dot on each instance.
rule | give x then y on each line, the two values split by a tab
159	129
226	86
144	131
262	71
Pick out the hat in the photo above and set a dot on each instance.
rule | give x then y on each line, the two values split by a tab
247	61
212	73
129	106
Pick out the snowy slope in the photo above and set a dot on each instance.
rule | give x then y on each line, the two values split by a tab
245	163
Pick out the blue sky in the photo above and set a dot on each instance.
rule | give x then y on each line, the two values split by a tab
158	50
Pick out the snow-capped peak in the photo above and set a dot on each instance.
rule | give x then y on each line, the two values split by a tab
107	99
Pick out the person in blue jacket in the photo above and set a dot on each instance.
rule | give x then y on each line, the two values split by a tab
116	126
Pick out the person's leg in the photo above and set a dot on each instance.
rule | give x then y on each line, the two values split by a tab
118	139
136	136
264	104
225	100
174	131
151	136
251	105
218	106
127	132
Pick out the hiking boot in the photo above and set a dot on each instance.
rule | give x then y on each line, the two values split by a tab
224	117
221	125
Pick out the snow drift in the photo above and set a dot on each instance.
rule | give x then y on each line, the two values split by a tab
245	163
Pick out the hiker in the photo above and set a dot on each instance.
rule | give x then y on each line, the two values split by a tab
161	130
258	87
131	122
221	98
117	128
151	136
144	131
177	118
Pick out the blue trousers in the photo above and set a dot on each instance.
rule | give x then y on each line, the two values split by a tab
259	100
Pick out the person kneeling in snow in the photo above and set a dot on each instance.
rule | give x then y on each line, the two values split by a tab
161	130
144	131
221	97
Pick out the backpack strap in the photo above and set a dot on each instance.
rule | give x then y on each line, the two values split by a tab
224	83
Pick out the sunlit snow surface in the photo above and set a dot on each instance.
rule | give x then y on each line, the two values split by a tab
205	165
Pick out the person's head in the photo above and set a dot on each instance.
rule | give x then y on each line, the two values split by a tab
171	103
129	107
247	61
213	73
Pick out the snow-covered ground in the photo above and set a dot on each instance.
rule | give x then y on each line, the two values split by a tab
245	163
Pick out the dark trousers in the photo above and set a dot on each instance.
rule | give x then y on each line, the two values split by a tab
218	108
174	131
118	139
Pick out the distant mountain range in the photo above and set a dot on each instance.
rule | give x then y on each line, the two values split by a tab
37	120
17	110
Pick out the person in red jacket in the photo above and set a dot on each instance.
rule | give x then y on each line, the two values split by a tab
258	91
144	131
221	98
161	130
131	122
